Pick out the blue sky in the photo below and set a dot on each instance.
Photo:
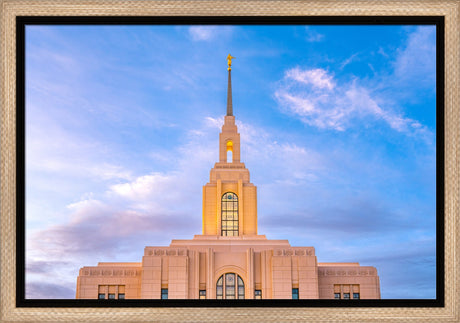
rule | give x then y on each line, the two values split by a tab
337	126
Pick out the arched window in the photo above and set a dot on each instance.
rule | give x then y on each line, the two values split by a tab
229	214
230	286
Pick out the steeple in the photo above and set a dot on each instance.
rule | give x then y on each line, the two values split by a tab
229	137
229	89
229	181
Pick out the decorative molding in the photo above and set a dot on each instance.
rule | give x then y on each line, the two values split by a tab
165	251
310	251
346	272
112	272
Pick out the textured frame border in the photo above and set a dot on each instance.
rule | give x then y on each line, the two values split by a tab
9	9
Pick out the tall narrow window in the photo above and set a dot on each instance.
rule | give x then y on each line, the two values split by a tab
230	286
230	214
229	151
220	288
240	288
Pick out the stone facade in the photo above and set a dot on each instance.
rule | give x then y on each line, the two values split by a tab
229	259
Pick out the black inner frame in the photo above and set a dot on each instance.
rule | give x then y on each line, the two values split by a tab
23	21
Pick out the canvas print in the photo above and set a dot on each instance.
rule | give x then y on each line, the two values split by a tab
230	162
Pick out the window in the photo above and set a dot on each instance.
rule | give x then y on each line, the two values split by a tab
202	294
258	294
345	291
111	292
295	293
230	286
220	288
240	288
229	151
164	293
229	214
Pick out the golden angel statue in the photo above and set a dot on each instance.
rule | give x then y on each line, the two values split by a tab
229	61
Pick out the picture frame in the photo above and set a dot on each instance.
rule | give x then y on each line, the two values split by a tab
12	9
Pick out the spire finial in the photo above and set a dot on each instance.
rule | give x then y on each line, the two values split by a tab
229	61
229	89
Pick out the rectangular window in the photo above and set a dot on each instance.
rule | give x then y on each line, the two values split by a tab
164	293
202	294
295	293
346	291
110	291
229	215
258	294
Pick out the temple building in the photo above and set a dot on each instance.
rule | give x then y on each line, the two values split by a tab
230	259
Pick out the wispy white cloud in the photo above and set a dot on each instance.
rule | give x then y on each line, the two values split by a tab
202	32
382	52
314	96
317	78
317	98
153	191
312	35
348	60
207	33
214	122
417	60
56	150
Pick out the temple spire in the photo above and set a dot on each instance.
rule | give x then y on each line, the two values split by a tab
229	89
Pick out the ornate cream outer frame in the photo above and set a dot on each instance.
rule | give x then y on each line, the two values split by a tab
12	8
